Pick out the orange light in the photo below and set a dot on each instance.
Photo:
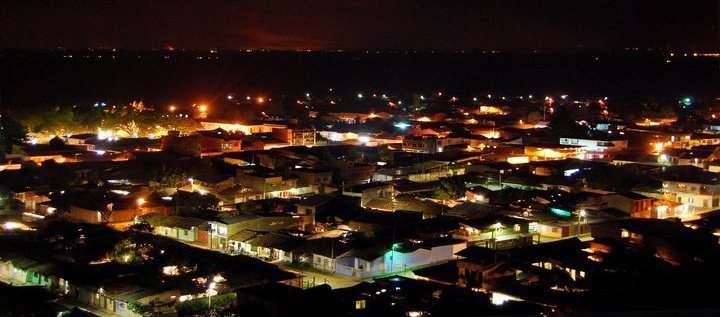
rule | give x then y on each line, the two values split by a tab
260	99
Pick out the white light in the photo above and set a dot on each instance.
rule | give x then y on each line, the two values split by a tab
401	125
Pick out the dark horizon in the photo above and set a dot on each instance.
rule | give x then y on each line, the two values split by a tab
57	77
506	25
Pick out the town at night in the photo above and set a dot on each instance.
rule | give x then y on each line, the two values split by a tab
341	158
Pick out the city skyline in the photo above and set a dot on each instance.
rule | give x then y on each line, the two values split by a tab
351	25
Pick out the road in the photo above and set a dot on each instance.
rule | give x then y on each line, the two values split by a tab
314	278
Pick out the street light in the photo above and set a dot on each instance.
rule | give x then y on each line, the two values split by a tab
500	178
140	202
581	214
210	290
178	185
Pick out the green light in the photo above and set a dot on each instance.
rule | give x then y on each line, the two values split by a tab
560	212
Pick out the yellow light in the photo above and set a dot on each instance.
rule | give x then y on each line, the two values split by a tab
260	99
203	108
172	108
658	146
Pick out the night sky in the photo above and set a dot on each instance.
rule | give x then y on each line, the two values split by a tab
355	24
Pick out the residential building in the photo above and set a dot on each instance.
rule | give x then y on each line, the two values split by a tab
294	136
691	186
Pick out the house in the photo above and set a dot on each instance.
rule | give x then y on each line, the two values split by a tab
636	205
295	136
276	300
562	183
641	158
240	242
182	228
407	187
370	191
313	177
221	230
31	201
321	253
209	180
365	262
219	141
691	186
116	208
600	146
39	153
181	144
505	270
400	256
269	183
118	296
351	173
274	246
260	142
669	240
82	138
470	210
234	126
550	152
554	227
495	231
314	204
405	202
699	157
688	141
521	181
385	225
16	267
431	143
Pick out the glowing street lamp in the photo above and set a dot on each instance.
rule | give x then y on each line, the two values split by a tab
581	214
210	290
140	202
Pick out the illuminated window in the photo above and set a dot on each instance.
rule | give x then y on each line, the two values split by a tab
624	234
516	228
360	304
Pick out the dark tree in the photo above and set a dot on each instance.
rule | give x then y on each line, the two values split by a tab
11	132
449	188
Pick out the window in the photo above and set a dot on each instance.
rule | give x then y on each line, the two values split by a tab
360	304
